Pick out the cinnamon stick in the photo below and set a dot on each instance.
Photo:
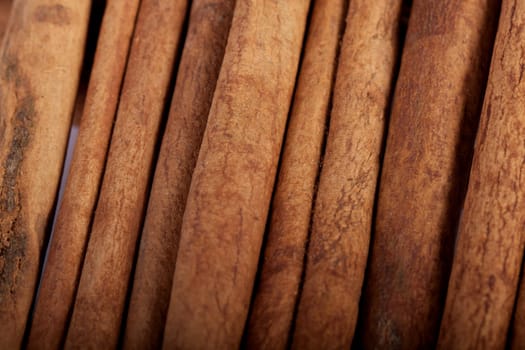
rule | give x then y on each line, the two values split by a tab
201	59
66	251
428	153
489	248
103	285
232	183
276	296
40	64
338	250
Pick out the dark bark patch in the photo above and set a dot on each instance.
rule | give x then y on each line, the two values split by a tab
13	231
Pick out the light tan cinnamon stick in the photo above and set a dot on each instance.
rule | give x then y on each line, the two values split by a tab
274	304
338	250
101	295
232	183
40	64
489	248
62	270
204	45
428	152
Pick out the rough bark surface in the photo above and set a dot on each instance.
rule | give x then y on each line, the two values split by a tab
196	79
490	242
62	271
103	286
428	153
40	64
276	296
230	193
339	241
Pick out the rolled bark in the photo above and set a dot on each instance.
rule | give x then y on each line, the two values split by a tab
40	64
231	189
428	153
196	79
489	248
5	9
102	290
62	271
276	296
517	340
338	249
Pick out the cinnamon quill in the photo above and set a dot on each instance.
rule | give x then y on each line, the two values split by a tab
434	117
276	296
101	296
338	249
489	248
40	63
201	59
62	270
232	183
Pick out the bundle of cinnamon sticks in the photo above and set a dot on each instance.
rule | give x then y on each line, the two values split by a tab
262	174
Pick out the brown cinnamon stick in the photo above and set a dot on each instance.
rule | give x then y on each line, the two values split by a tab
428	152
274	304
62	270
339	241
204	45
232	183
40	64
489	248
101	295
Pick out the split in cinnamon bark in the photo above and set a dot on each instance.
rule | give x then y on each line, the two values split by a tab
201	59
233	180
489	248
338	249
40	64
434	117
102	290
517	334
62	270
276	295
